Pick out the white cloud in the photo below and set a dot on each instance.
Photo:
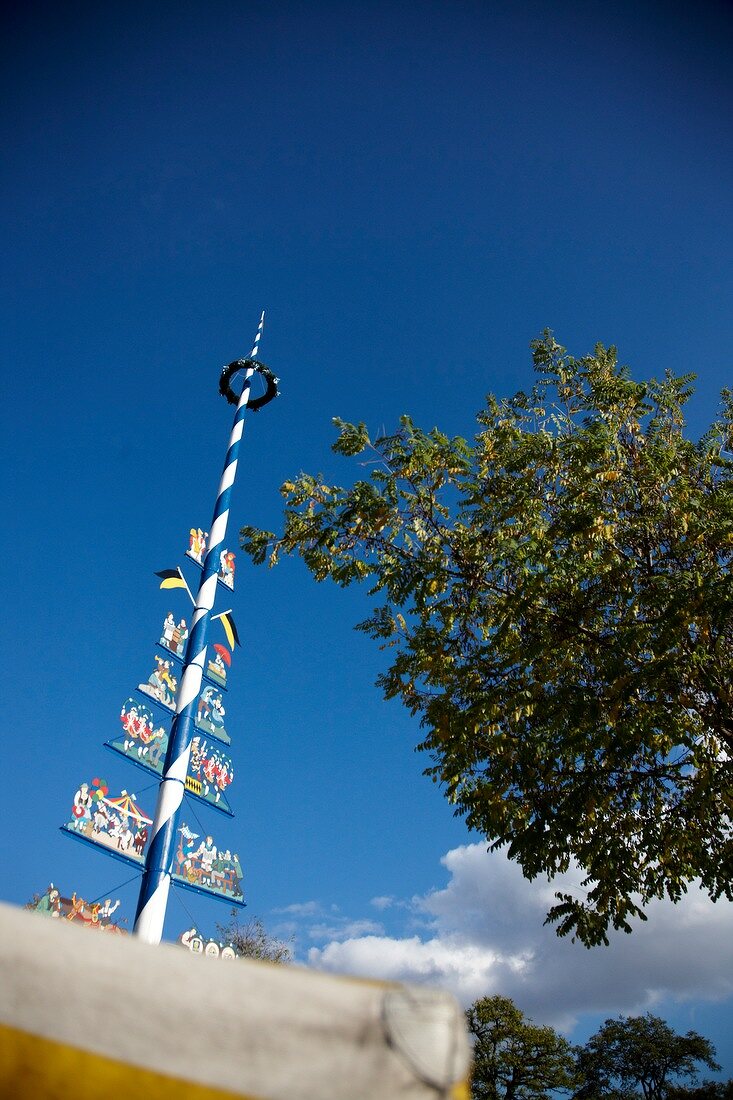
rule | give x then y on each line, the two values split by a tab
316	921
344	929
486	935
302	909
382	902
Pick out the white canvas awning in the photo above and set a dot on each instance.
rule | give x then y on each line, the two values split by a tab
193	1028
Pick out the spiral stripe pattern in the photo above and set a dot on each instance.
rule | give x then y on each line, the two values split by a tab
155	885
258	337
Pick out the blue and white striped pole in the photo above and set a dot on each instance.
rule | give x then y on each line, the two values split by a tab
156	880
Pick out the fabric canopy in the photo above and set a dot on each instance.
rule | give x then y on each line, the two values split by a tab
195	1028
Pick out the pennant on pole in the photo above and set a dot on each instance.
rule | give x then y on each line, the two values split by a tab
230	629
171	578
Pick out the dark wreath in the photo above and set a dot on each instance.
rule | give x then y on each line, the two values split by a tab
254	403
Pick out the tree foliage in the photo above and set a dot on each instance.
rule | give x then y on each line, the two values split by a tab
514	1059
642	1052
252	940
708	1090
557	604
629	1058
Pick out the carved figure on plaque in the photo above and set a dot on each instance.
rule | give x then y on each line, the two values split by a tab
226	568
210	714
161	684
197	544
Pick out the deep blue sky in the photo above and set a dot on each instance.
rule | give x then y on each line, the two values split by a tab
412	192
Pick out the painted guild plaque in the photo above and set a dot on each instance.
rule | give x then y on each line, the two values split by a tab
96	915
161	684
226	568
197	545
215	669
144	742
174	634
218	665
143	739
117	825
200	865
198	944
212	772
210	714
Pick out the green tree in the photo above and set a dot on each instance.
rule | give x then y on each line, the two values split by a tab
252	940
514	1059
641	1052
557	602
708	1090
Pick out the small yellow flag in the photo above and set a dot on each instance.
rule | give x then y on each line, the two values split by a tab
230	629
171	578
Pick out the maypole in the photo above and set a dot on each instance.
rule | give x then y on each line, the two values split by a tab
156	880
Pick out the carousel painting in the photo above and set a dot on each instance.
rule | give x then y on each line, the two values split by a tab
198	944
161	684
210	715
199	865
117	825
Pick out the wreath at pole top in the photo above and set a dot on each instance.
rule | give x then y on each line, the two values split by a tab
255	403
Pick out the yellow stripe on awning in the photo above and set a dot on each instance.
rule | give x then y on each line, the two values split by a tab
32	1067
